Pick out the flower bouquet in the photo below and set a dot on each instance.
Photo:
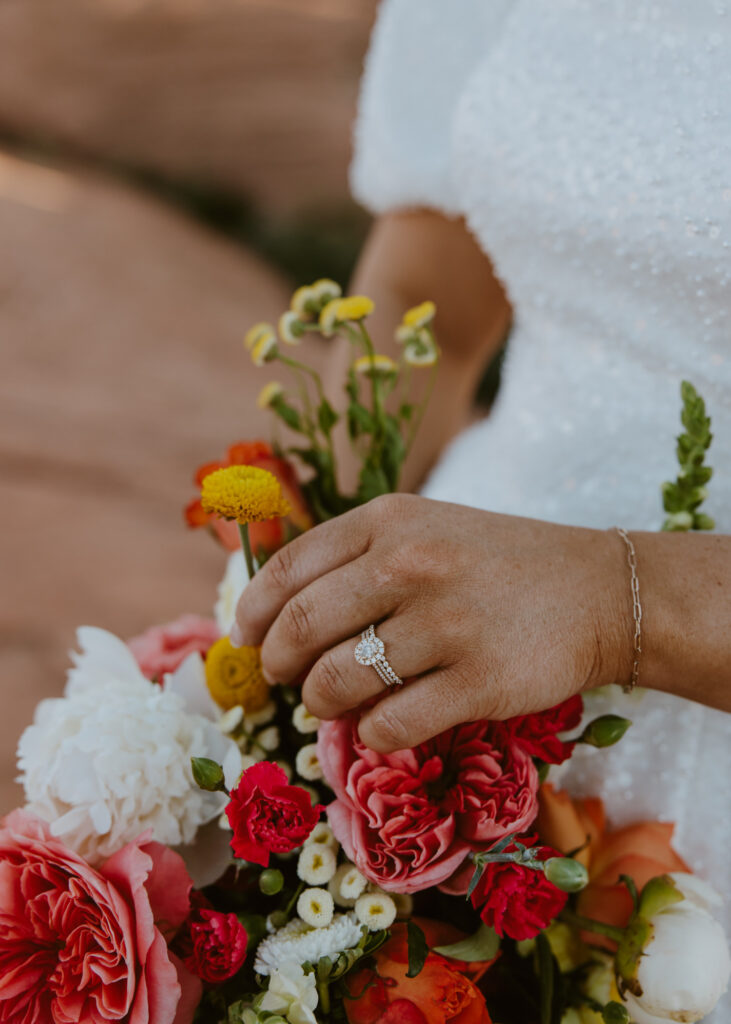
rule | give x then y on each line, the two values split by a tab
196	846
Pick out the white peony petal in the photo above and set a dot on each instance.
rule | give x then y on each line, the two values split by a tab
188	681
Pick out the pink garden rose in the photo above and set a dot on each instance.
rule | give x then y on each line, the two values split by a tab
162	649
78	944
409	819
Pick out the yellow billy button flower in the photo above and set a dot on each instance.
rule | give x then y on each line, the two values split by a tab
376	366
291	328
234	677
269	394
355	307
419	316
247	494
256	334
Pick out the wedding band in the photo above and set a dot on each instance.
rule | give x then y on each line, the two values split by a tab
370	651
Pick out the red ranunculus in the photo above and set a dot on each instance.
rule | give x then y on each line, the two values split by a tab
444	991
268	536
212	945
518	901
80	944
268	815
537	734
409	819
162	649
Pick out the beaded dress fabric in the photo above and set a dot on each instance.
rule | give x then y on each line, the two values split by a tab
588	145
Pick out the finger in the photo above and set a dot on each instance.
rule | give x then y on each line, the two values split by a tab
293	567
420	711
338	683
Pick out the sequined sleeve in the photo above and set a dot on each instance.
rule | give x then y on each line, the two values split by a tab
422	53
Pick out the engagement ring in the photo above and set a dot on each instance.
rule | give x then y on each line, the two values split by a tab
370	651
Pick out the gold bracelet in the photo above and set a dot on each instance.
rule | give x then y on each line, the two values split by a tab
636	608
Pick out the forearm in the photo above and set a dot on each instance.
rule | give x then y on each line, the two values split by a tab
685	592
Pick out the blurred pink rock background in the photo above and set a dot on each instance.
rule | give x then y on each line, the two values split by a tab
167	168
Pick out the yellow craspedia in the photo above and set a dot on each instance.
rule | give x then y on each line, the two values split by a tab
421	315
376	365
234	677
269	394
247	494
354	307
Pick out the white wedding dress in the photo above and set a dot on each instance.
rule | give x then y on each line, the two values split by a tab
588	145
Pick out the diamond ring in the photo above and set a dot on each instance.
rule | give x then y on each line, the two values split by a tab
370	651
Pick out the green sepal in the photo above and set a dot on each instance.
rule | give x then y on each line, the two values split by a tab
660	892
636	936
481	945
418	949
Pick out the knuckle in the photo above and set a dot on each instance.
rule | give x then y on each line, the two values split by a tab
298	624
389	727
279	568
327	683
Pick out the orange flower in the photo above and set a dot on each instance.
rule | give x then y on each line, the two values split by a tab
266	537
444	992
641	851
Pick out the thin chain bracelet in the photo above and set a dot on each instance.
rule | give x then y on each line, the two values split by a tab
636	608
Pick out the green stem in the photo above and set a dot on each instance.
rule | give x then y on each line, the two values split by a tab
323	992
246	547
297	893
588	924
416	422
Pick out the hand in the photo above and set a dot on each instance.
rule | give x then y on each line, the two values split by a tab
484	615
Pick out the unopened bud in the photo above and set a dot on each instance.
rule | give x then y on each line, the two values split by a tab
605	731
208	774
566	873
271	881
615	1013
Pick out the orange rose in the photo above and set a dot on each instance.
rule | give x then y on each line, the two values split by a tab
266	537
640	851
443	991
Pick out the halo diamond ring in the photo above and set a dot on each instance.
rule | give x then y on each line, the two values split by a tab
370	651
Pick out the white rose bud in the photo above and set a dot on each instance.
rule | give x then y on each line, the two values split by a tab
303	721
315	907
307	763
316	864
685	966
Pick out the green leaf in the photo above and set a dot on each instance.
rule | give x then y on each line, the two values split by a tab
326	417
288	414
406	411
476	876
360	420
418	949
481	945
372	483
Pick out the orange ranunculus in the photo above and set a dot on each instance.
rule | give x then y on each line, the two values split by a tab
640	851
266	537
443	991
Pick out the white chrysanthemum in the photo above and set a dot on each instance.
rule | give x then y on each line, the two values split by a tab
315	907
268	739
316	864
298	943
323	835
375	911
291	994
261	717
303	721
352	884
230	590
111	758
307	763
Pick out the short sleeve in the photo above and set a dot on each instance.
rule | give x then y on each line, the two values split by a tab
422	52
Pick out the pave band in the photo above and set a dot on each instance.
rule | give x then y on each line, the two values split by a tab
370	651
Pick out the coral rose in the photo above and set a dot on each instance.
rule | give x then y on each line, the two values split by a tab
443	991
78	944
538	734
267	815
409	819
162	649
266	537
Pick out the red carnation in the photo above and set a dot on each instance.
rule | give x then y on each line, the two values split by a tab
518	901
212	945
538	736
268	815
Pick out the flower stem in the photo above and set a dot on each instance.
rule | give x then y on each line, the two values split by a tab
588	924
323	992
246	547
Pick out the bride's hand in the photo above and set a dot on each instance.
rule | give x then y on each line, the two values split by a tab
484	615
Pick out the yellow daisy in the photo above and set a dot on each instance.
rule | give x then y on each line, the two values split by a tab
269	394
421	315
376	365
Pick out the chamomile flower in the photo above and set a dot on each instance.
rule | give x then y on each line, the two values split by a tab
329	318
262	716
352	884
421	351
257	333
291	328
376	366
303	721
322	835
307	763
316	907
269	394
419	316
316	864
264	350
325	290
355	307
268	739
334	885
376	911
304	302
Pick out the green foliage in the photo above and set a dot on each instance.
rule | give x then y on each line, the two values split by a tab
418	949
481	945
682	498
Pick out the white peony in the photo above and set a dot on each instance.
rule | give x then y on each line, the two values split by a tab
685	967
291	994
111	758
230	590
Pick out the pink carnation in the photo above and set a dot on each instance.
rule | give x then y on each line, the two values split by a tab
409	819
161	649
78	944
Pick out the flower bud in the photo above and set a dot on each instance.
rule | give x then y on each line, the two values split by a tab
271	881
566	873
207	774
605	731
615	1013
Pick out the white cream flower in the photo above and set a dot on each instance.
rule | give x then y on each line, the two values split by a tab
375	911
315	907
404	904
323	835
230	720
260	717
333	886
299	943
316	864
303	721
268	739
307	763
111	758
352	884
230	590
292	994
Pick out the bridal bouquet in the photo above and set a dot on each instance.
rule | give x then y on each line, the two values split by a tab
196	846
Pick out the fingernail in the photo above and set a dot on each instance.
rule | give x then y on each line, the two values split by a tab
236	636
268	677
